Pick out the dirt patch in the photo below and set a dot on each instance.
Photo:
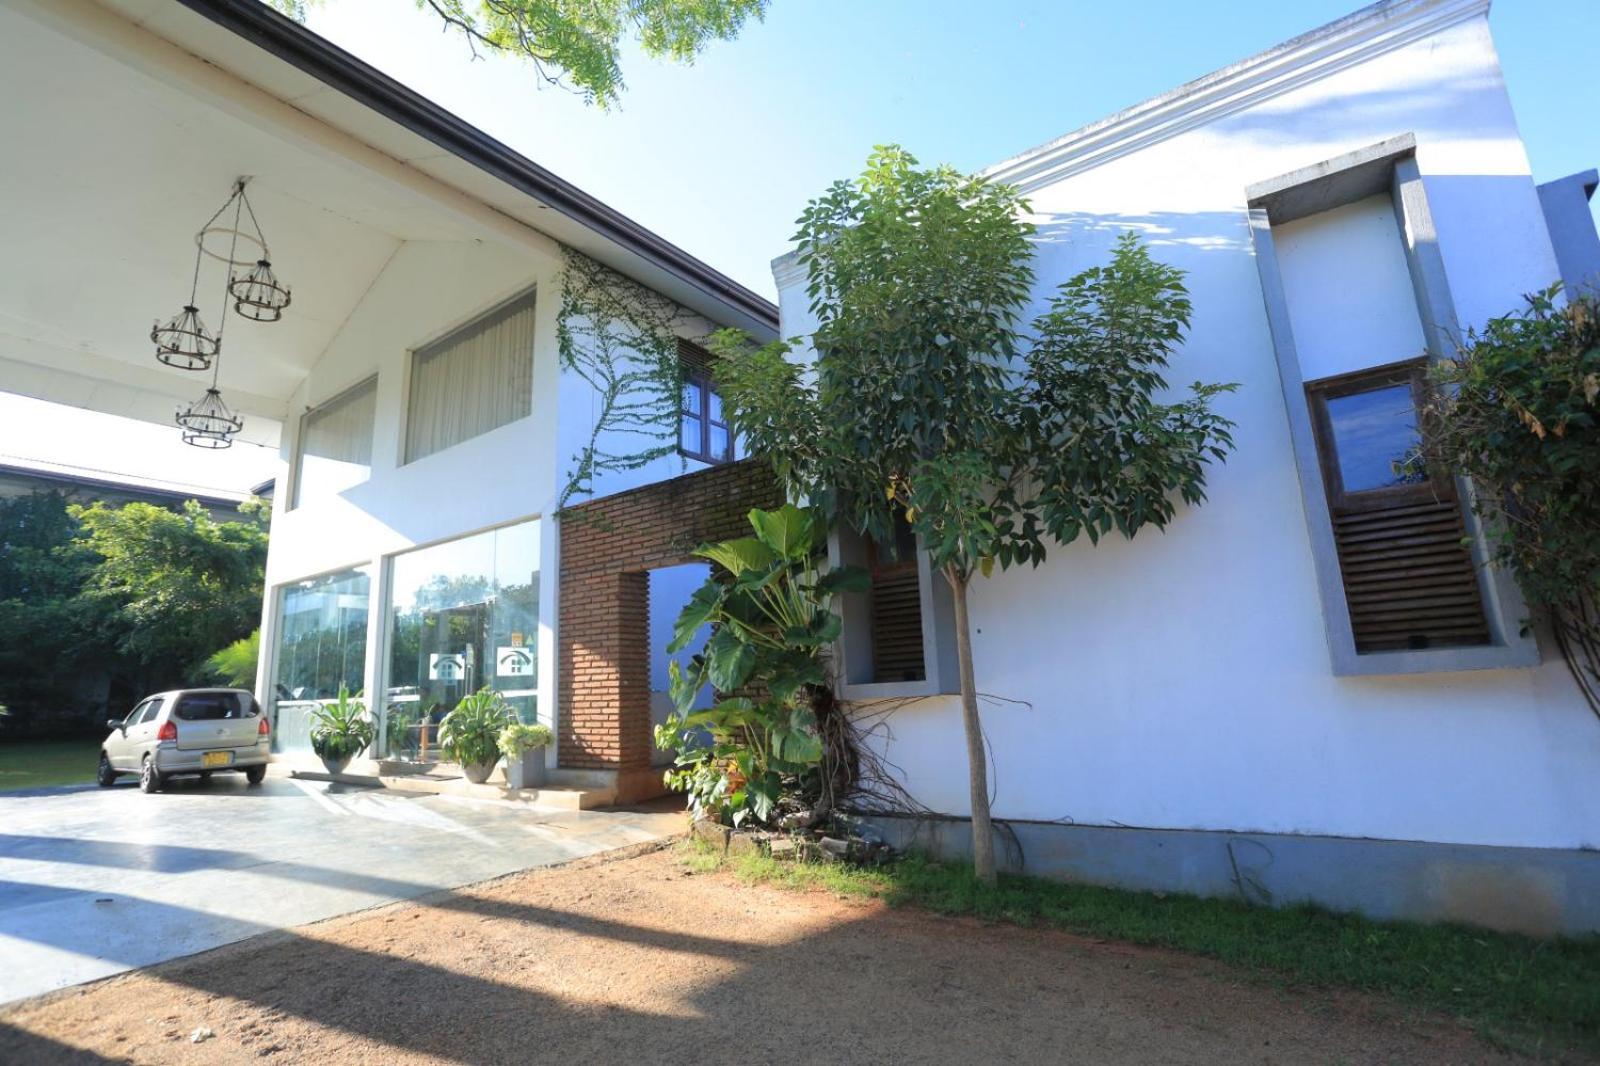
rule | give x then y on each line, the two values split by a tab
639	960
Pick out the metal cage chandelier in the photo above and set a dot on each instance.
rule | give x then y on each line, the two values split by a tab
258	295
208	423
183	340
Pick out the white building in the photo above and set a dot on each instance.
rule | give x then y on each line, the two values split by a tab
470	341
473	343
1210	698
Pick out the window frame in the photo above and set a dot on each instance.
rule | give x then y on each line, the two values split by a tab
1388	167
702	381
418	354
297	467
1413	372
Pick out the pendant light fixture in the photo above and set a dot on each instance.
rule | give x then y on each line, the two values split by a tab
208	423
183	341
257	293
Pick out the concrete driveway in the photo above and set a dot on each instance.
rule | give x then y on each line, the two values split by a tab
94	882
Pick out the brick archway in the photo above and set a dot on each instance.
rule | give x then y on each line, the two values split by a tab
608	547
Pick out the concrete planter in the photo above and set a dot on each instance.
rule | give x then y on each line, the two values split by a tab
478	772
526	771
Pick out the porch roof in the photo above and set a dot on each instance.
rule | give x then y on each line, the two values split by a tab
130	120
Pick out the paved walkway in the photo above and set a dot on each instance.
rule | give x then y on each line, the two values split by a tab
94	882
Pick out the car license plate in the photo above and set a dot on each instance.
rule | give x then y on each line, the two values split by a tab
216	758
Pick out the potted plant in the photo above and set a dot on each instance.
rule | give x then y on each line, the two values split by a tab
470	734
523	746
340	731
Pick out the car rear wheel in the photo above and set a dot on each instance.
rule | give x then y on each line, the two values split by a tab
255	774
105	777
150	779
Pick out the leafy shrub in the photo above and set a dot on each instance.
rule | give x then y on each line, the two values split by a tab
515	739
1516	411
767	606
470	734
340	730
235	665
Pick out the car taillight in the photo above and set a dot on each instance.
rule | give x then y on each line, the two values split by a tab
263	729
168	731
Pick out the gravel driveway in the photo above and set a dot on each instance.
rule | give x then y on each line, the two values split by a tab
636	960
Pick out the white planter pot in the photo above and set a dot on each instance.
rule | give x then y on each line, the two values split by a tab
478	772
526	772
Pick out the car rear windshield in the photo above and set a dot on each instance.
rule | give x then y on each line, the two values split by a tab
214	706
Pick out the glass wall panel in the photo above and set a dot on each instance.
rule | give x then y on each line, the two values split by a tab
321	644
462	615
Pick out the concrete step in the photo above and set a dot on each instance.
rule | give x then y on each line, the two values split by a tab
367	774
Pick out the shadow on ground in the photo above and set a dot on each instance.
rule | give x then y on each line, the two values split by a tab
635	959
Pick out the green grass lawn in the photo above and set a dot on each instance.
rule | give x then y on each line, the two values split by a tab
1530	995
39	763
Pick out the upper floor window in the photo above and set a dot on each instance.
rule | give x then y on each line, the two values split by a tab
1409	579
477	378
335	449
703	431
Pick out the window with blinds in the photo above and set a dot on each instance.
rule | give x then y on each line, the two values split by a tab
476	379
1409	578
335	450
895	608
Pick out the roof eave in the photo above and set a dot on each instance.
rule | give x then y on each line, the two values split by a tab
260	25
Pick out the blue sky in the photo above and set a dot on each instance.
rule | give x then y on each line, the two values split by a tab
721	156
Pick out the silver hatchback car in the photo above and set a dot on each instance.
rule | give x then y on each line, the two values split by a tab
190	731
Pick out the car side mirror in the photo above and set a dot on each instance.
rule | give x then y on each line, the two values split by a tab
113	723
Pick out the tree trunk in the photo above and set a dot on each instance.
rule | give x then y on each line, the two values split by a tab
977	756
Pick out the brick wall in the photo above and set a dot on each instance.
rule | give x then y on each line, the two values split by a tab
607	548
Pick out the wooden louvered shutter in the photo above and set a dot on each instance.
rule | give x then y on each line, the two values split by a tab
1409	579
896	610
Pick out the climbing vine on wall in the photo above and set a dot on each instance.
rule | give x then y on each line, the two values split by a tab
622	339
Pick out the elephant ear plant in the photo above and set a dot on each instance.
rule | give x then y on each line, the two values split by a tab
470	734
340	730
767	606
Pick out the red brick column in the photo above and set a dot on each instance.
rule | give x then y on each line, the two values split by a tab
603	635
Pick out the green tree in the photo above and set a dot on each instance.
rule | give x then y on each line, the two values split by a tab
171	587
581	43
1517	410
39	581
929	403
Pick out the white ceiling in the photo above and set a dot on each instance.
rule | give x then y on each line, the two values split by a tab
108	173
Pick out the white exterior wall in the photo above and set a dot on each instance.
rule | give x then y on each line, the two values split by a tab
1182	680
510	474
506	475
1348	289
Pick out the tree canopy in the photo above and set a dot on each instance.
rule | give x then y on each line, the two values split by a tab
579	44
172	586
135	592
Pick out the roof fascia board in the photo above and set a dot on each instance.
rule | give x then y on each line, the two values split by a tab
286	39
132	488
1356	38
